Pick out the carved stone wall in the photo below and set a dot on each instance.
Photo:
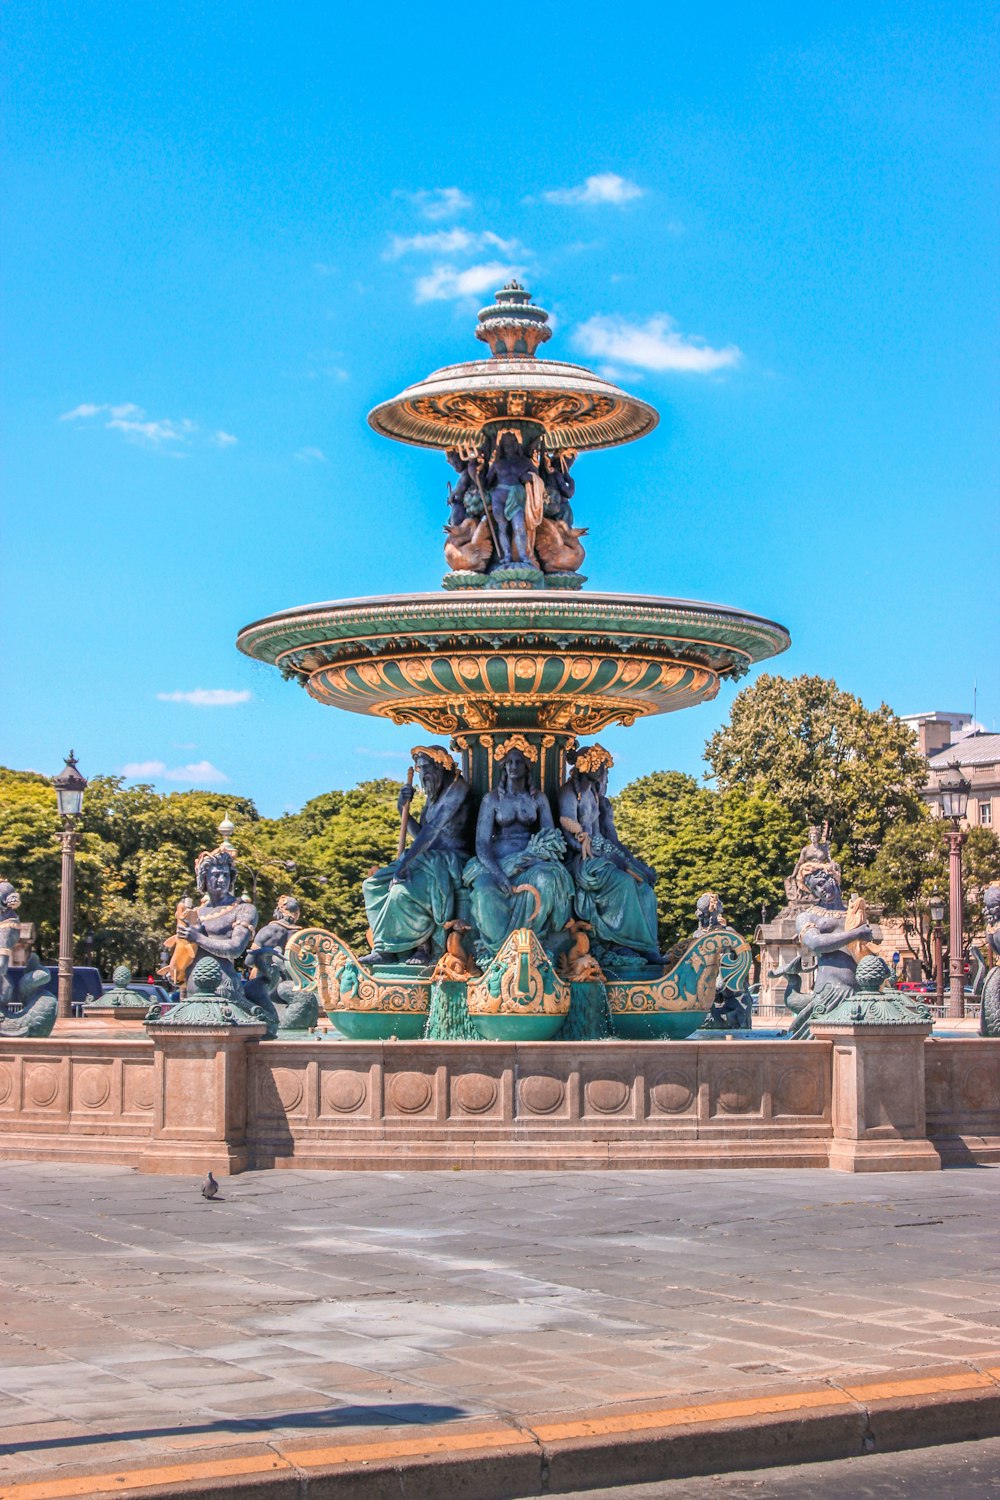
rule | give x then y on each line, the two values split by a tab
518	1106
425	1105
74	1098
963	1099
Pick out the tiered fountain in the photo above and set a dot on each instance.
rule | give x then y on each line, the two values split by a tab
544	931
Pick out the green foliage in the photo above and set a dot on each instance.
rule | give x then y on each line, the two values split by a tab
738	844
912	864
824	757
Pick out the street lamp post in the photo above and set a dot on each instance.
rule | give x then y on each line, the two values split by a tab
70	787
954	791
937	918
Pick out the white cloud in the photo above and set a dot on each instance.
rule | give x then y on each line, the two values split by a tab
310	456
440	203
202	772
654	345
603	187
455	241
132	421
323	268
86	410
154	432
446	282
209	697
139	770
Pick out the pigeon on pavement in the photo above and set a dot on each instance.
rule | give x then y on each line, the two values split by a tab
209	1187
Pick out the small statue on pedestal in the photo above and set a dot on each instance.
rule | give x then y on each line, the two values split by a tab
27	1008
823	930
271	982
732	1008
220	930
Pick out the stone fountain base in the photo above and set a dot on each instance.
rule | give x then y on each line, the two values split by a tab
178	1103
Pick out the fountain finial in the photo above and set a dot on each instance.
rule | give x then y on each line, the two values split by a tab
514	327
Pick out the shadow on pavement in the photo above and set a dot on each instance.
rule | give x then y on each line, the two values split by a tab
326	1417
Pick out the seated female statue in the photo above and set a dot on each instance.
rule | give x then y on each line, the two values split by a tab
614	888
517	876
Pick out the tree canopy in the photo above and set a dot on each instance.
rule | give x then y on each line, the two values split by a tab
825	757
912	864
735	843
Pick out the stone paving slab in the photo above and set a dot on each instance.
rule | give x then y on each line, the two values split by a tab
136	1319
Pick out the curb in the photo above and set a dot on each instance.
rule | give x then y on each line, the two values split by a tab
491	1460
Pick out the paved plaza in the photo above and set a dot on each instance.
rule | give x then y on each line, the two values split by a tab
140	1322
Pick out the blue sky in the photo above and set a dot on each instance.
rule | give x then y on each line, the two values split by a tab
230	230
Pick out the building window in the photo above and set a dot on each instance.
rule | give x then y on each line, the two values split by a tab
985	814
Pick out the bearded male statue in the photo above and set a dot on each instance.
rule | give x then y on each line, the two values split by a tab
409	902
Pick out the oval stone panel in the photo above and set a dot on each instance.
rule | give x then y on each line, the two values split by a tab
475	1093
980	1089
42	1085
797	1093
409	1092
92	1086
608	1096
344	1092
673	1093
735	1094
542	1093
288	1083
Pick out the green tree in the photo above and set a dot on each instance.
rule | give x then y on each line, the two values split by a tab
737	844
31	857
912	864
825	757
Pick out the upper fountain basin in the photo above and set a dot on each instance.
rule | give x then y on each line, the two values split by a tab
548	660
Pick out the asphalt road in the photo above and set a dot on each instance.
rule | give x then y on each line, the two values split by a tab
966	1471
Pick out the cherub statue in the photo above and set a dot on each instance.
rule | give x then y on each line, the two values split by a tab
182	954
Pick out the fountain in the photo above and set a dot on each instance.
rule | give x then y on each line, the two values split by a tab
542	924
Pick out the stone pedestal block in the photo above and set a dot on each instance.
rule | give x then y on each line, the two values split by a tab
116	1020
200	1099
879	1109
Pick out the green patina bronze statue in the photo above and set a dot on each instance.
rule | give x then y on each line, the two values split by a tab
27	1006
410	902
732	1008
989	1014
614	888
222	926
517	877
272	984
836	935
